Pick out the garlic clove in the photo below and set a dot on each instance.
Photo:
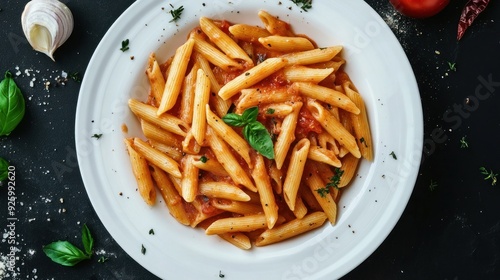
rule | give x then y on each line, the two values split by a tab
47	24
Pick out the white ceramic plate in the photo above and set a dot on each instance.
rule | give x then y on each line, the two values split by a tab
370	207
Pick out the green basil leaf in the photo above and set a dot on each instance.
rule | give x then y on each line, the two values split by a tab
233	119
4	169
64	253
250	114
258	137
87	240
12	105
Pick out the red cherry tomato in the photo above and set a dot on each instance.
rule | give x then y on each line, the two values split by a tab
419	8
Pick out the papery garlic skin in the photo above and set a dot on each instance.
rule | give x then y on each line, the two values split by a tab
47	24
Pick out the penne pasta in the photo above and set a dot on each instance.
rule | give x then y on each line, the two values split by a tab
327	95
279	110
156	157
221	106
156	79
312	56
291	229
140	168
276	176
214	175
360	122
253	97
165	121
158	134
175	77
294	172
230	136
323	155
187	95
299	209
190	145
210	165
325	199
223	41
238	207
201	96
349	166
299	73
173	152
189	182
286	44
265	191
274	25
287	135
247	32
170	195
334	127
252	76
212	54
238	239
228	161
223	190
237	224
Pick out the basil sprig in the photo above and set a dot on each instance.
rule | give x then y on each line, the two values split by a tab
4	169
254	132
12	106
67	254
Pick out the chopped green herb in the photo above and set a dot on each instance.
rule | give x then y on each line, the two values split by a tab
489	175
254	132
97	136
102	259
463	143
125	45
305	5
334	182
335	179
151	232
452	66
270	111
433	185
143	250
176	13
67	254
323	191
393	155
203	159
75	76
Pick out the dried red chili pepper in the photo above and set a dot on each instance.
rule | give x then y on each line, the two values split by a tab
470	12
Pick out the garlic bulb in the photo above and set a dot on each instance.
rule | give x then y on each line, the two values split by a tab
47	24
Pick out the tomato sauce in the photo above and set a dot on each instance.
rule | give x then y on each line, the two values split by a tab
306	124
